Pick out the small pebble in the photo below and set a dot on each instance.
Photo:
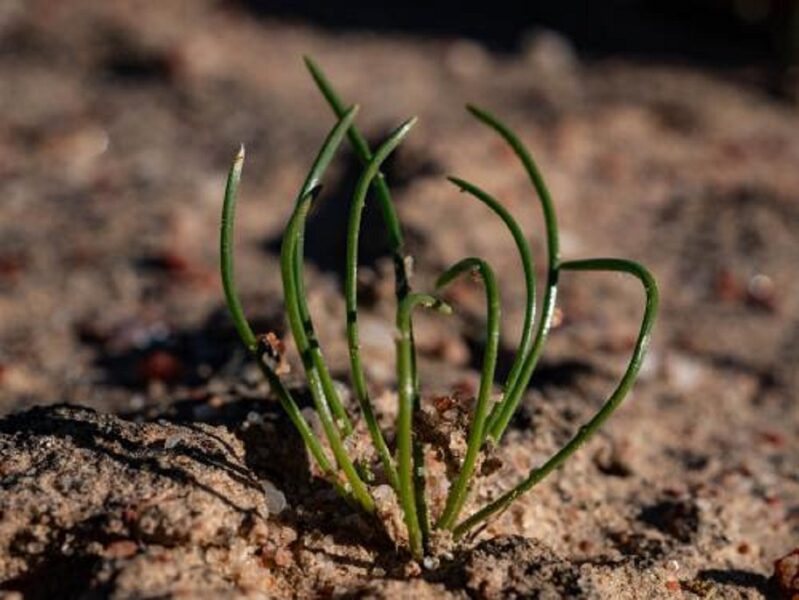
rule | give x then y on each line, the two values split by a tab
683	372
383	494
760	292
673	565
343	391
275	499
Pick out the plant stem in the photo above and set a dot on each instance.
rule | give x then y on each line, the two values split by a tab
396	243
351	295
503	411
288	271
312	180
589	429
245	331
299	422
420	475
408	402
362	151
529	275
226	253
458	492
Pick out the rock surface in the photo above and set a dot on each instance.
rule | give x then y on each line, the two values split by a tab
91	501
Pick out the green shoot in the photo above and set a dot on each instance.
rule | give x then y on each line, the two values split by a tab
457	494
226	253
351	295
309	352
408	405
364	154
404	467
312	181
608	408
527	266
395	239
503	412
258	350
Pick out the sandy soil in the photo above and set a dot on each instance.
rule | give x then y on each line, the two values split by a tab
117	124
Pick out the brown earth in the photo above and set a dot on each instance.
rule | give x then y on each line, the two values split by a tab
117	124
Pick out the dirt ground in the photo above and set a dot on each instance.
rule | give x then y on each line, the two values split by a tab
118	122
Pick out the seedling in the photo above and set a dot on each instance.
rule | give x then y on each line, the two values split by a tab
404	467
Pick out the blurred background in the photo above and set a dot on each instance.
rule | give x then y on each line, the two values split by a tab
668	132
731	33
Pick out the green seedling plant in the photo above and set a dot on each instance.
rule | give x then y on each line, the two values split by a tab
404	466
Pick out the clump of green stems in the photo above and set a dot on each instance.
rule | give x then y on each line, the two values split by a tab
404	469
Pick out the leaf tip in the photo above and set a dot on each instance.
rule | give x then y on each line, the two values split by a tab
311	66
479	113
404	128
457	182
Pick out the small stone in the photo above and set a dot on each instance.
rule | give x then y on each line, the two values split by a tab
760	292
673	565
683	372
275	499
343	391
383	493
613	460
412	569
